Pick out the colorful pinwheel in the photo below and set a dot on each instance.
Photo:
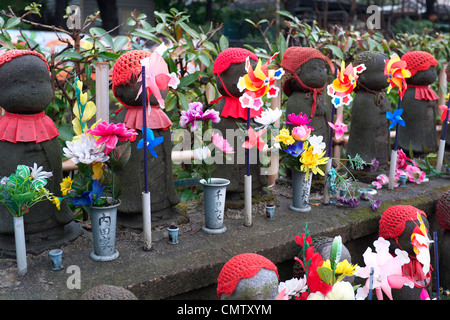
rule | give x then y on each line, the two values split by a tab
395	70
254	139
339	127
152	142
395	118
341	88
258	83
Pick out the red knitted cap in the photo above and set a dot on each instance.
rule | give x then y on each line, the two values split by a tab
393	219
128	65
229	56
294	57
418	61
443	210
11	54
242	266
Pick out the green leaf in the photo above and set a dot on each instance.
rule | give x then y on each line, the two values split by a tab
189	79
286	14
223	42
335	252
187	195
120	155
183	101
69	55
189	30
108	55
120	42
146	35
325	274
14	21
103	35
336	51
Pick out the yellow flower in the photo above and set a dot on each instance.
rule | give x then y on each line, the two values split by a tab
89	110
56	202
312	161
285	137
66	186
344	267
97	170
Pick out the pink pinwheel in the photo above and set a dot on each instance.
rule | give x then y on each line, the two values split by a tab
339	127
387	270
157	77
221	143
110	134
254	139
299	120
444	110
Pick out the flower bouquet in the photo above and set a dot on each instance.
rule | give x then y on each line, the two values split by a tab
18	193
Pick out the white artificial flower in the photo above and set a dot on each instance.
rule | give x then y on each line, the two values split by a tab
85	151
38	174
201	153
317	144
342	290
268	117
293	286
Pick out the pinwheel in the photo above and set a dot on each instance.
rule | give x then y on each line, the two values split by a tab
396	72
151	142
254	139
341	88
421	242
444	118
339	127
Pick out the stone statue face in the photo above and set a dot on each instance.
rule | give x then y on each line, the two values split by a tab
127	94
423	78
373	77
312	73
230	78
26	85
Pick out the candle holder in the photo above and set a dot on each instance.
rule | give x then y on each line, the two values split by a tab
173	234
270	212
402	179
56	257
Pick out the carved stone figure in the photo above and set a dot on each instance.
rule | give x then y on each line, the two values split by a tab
443	219
304	81
28	136
228	67
160	179
419	105
369	130
397	225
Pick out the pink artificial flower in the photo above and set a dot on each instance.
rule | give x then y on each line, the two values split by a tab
221	143
299	120
301	133
383	180
110	134
339	127
195	112
415	174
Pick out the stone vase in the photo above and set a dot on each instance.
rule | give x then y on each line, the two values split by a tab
300	191
214	194
103	221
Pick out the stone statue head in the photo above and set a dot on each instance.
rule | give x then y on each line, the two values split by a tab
373	77
228	67
25	82
422	66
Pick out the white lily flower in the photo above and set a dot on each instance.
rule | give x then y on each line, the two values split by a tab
85	151
317	143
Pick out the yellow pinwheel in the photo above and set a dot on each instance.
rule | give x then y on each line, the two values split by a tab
397	72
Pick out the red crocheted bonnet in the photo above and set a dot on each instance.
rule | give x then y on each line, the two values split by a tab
393	219
443	210
418	61
127	66
241	266
293	58
11	54
229	56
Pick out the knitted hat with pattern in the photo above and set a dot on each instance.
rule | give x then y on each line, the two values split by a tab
418	61
241	266
127	66
229	56
393	219
443	210
11	54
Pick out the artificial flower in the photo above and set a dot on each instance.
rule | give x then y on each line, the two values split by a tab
66	185
317	143
395	118
396	72
295	149
351	202
57	202
301	133
341	290
374	165
97	170
111	133
421	243
299	120
285	137
268	117
409	167
311	161
195	113
157	77
84	151
254	139
387	270
39	176
303	240
293	287
221	143
344	267
339	127
152	142
201	153
444	110
89	197
258	82
383	180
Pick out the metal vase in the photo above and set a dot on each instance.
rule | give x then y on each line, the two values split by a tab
214	203
103	221
300	191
